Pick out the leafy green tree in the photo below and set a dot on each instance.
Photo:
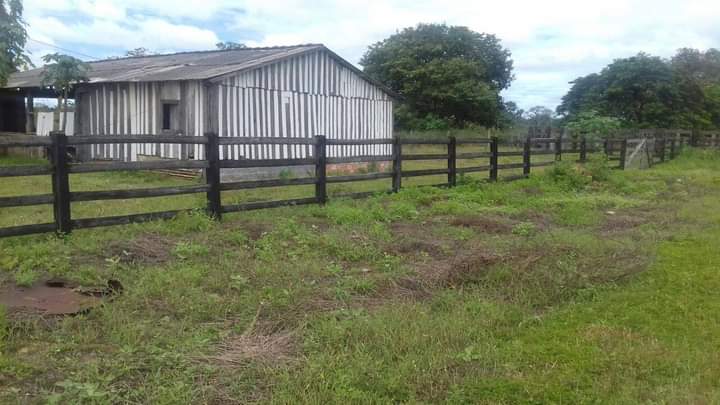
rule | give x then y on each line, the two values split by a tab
702	68
443	72
13	37
511	116
640	90
712	98
62	72
647	91
590	123
229	45
539	117
585	93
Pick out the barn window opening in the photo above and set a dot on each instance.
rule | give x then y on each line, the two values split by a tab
168	116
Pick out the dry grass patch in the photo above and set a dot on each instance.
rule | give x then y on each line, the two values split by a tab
263	343
146	249
483	223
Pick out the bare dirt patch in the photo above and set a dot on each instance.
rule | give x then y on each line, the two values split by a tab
145	249
467	266
621	222
483	223
412	239
254	230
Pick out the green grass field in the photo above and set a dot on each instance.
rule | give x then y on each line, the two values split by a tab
577	285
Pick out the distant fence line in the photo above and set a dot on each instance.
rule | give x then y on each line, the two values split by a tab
60	167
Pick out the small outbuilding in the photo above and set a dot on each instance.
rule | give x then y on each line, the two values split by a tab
293	91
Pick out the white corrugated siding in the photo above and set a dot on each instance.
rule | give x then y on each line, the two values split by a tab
302	97
134	109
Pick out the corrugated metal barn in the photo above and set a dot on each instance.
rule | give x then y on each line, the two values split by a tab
295	91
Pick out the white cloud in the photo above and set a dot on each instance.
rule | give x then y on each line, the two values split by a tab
552	41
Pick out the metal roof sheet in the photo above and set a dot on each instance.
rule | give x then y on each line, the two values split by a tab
177	66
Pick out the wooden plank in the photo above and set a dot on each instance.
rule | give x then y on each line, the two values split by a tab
424	172
246	163
359	141
424	141
452	162
397	165
241	140
542	140
26	170
473	141
243	185
541	164
150	165
320	150
358	159
60	183
359	177
136	193
493	159
212	176
473	169
26	200
473	155
268	204
25	141
125	219
363	194
510	153
510	166
526	157
26	229
428	156
155	139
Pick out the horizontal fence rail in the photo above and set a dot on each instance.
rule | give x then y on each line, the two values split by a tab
616	149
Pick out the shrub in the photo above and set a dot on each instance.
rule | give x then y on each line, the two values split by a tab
598	168
568	175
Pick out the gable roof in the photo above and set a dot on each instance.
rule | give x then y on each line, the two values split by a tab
200	65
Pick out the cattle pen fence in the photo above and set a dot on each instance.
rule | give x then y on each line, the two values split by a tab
487	161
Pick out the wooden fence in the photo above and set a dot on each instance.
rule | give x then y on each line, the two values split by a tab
62	197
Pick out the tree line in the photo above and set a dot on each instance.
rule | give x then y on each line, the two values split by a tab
645	91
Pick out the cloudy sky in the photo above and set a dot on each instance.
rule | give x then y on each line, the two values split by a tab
552	42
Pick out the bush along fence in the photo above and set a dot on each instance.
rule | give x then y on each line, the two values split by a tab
62	196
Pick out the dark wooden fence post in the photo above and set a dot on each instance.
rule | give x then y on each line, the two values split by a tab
623	153
663	143
493	158
397	165
606	147
583	149
558	148
320	169
212	176
526	157
672	148
452	161
60	183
